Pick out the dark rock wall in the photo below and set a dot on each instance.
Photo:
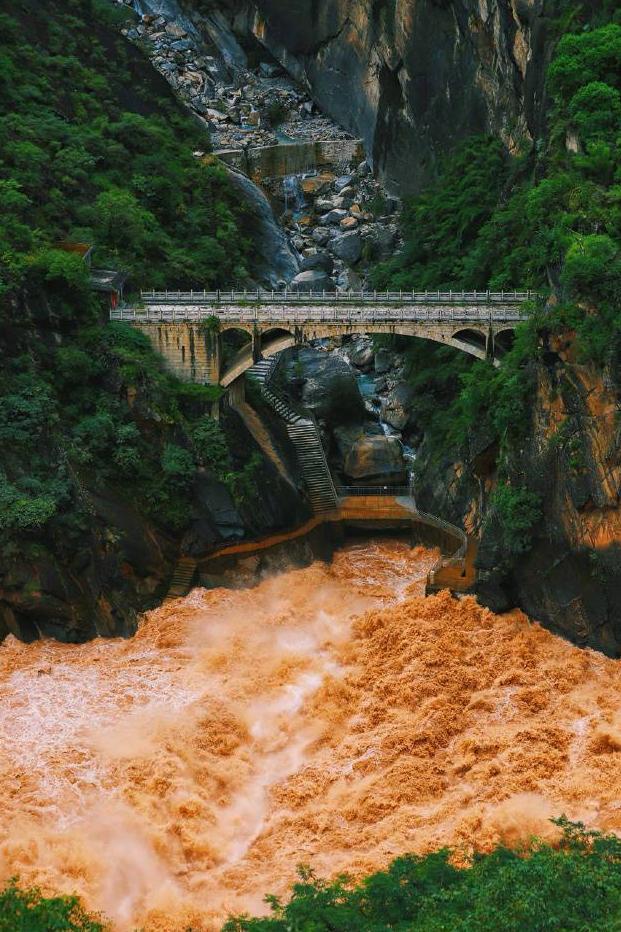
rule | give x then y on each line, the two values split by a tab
121	564
412	77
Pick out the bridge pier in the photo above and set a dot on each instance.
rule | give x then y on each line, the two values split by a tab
256	344
191	351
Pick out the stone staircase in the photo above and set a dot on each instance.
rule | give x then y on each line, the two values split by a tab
304	434
182	579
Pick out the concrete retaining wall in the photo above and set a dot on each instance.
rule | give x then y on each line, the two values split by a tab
264	162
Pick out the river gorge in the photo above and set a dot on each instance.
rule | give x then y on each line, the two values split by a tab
310	465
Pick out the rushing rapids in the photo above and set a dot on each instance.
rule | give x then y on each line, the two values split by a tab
330	716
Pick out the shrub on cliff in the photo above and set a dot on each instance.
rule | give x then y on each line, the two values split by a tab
515	511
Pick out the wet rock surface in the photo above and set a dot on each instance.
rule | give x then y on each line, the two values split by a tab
376	461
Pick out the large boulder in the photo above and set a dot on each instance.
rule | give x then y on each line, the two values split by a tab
347	435
376	461
321	261
322	235
380	240
330	388
397	406
360	352
312	280
348	247
384	360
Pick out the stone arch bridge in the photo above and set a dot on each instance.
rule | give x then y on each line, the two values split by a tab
188	328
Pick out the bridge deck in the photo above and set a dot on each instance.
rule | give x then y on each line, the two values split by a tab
326	314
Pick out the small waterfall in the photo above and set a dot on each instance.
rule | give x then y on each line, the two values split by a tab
294	196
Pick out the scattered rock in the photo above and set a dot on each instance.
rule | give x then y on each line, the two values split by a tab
349	280
322	235
343	182
335	216
397	406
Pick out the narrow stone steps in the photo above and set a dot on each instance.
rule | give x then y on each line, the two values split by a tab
304	434
182	579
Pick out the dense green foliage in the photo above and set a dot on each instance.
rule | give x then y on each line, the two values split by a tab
573	886
29	911
94	148
549	217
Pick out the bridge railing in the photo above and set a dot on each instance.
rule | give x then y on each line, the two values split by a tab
173	313
292	297
397	491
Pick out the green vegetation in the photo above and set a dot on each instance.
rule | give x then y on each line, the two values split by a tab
29	911
550	216
94	148
515	511
575	885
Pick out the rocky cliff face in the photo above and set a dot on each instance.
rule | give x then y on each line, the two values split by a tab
93	583
412	77
570	578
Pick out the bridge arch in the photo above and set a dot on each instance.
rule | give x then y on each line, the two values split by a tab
473	341
269	343
503	341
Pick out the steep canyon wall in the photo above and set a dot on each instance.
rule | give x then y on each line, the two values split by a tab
412	77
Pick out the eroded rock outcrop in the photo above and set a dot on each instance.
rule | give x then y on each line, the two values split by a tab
569	577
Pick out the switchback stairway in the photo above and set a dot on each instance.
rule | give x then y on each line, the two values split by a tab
304	434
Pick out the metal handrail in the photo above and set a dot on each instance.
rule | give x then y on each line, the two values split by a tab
372	490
